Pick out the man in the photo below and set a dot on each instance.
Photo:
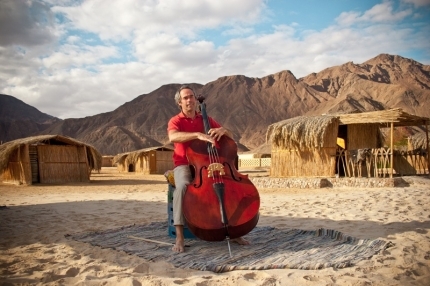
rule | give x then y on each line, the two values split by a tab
182	129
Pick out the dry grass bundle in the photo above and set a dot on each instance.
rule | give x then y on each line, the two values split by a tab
120	158
303	132
133	157
419	141
396	115
94	157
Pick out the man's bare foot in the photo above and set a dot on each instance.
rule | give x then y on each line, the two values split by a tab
179	245
241	241
180	242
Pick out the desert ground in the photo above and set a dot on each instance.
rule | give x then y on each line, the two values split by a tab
35	219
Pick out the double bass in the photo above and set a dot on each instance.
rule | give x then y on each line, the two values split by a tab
220	203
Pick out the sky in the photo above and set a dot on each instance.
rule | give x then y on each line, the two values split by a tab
78	58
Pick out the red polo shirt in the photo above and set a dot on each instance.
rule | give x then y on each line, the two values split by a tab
182	123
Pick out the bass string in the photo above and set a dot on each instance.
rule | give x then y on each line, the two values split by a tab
213	153
214	159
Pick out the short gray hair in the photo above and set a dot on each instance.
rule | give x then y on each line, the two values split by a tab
178	93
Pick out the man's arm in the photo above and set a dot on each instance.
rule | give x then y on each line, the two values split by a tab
179	136
214	133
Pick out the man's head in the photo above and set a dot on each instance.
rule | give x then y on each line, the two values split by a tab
185	94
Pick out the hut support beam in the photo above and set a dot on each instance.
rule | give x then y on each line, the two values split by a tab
428	148
391	147
21	173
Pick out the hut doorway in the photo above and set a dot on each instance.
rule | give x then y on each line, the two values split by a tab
342	134
34	164
131	168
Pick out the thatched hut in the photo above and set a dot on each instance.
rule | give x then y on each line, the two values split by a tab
417	141
416	156
48	159
107	161
153	160
307	146
303	146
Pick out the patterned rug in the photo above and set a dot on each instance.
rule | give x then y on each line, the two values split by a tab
270	248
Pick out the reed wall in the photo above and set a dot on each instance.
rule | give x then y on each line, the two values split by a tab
19	170
107	161
164	161
362	136
62	164
143	164
306	163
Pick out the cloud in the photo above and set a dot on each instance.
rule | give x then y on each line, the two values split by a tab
80	58
121	19
418	3
26	23
383	12
238	31
71	55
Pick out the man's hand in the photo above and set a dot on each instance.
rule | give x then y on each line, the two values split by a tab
217	133
205	137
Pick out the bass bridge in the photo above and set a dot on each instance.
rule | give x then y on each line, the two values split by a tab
215	167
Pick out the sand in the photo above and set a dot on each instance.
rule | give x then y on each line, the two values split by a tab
35	219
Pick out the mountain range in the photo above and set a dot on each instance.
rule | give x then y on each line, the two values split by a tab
245	105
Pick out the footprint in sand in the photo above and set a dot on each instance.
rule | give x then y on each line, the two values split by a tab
50	277
72	272
381	260
94	268
180	282
249	276
36	268
141	268
310	278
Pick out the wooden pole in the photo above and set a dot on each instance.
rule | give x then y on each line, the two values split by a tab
428	148
152	240
392	151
